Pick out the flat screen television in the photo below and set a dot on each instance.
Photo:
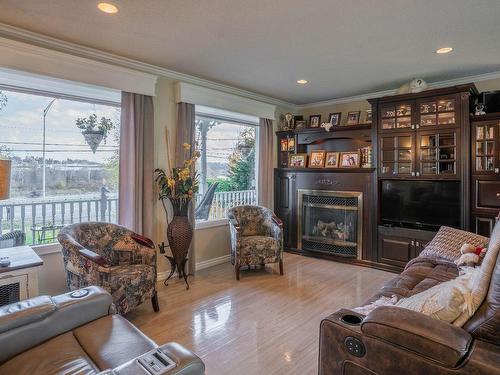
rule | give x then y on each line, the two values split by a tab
420	204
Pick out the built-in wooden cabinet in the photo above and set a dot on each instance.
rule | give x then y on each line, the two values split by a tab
420	138
425	136
485	180
396	246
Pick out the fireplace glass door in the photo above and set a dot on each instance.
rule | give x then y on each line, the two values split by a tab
330	222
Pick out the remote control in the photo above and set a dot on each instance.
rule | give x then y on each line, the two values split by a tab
4	262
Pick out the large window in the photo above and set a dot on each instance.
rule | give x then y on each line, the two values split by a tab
228	145
65	155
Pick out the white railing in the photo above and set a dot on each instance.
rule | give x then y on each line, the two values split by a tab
41	219
227	199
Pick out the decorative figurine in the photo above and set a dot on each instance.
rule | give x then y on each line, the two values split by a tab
479	109
288	119
327	126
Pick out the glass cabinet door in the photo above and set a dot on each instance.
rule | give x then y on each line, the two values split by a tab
396	155
485	147
438	154
396	116
440	112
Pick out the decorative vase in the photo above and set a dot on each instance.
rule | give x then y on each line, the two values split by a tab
93	138
179	235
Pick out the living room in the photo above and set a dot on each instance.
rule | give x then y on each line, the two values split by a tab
227	187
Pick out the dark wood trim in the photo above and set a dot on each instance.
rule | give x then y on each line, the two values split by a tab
328	170
94	257
486	117
468	87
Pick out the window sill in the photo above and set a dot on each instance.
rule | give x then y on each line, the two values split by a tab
47	249
210	224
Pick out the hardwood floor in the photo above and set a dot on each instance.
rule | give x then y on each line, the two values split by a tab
262	324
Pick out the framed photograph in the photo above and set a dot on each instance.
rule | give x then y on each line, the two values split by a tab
297	161
349	159
334	118
353	118
314	121
332	159
297	118
291	144
317	159
284	144
368	118
300	124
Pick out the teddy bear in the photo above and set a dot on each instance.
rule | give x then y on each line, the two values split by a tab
471	255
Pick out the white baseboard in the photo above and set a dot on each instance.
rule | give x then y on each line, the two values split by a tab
212	262
200	265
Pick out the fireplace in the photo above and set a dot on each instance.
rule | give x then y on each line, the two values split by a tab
330	222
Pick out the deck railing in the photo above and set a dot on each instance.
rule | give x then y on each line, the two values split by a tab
41	219
227	199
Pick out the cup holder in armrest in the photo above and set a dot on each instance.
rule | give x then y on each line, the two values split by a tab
352	320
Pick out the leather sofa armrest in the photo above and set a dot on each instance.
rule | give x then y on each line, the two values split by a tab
419	333
69	312
25	312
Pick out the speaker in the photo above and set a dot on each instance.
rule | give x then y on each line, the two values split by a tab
490	100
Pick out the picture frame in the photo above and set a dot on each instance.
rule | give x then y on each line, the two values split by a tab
291	144
284	144
297	161
297	118
314	121
368	118
349	159
332	159
300	124
353	118
317	159
334	118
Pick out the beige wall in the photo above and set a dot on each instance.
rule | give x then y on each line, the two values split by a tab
324	111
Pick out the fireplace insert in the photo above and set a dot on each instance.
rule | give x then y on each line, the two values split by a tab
330	222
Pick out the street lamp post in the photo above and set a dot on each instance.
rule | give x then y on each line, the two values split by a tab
45	112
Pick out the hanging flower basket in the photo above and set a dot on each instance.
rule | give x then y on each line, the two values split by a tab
94	132
93	138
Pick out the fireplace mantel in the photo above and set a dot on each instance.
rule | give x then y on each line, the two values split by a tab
288	182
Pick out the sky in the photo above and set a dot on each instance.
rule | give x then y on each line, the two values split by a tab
21	127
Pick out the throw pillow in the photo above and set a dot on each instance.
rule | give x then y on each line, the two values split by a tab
448	241
481	281
445	301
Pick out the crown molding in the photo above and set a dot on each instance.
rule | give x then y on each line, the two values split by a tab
15	33
377	94
22	35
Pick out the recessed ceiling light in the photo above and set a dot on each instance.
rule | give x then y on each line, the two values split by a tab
444	50
302	81
107	8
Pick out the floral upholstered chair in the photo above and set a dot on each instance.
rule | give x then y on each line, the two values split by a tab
112	257
256	237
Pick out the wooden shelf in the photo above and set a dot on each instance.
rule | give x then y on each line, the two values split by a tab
328	170
335	129
487	116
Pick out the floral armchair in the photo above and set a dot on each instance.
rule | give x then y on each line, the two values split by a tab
112	257
256	237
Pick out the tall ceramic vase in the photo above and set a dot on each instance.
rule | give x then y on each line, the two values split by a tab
180	234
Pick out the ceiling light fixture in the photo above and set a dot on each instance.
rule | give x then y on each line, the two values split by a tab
107	8
442	51
302	81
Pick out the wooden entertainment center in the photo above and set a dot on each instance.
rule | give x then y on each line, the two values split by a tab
416	139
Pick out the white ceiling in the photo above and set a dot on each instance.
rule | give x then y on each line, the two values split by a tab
342	48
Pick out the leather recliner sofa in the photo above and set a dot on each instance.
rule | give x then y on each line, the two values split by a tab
393	340
78	333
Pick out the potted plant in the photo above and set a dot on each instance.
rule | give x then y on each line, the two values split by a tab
94	132
179	188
